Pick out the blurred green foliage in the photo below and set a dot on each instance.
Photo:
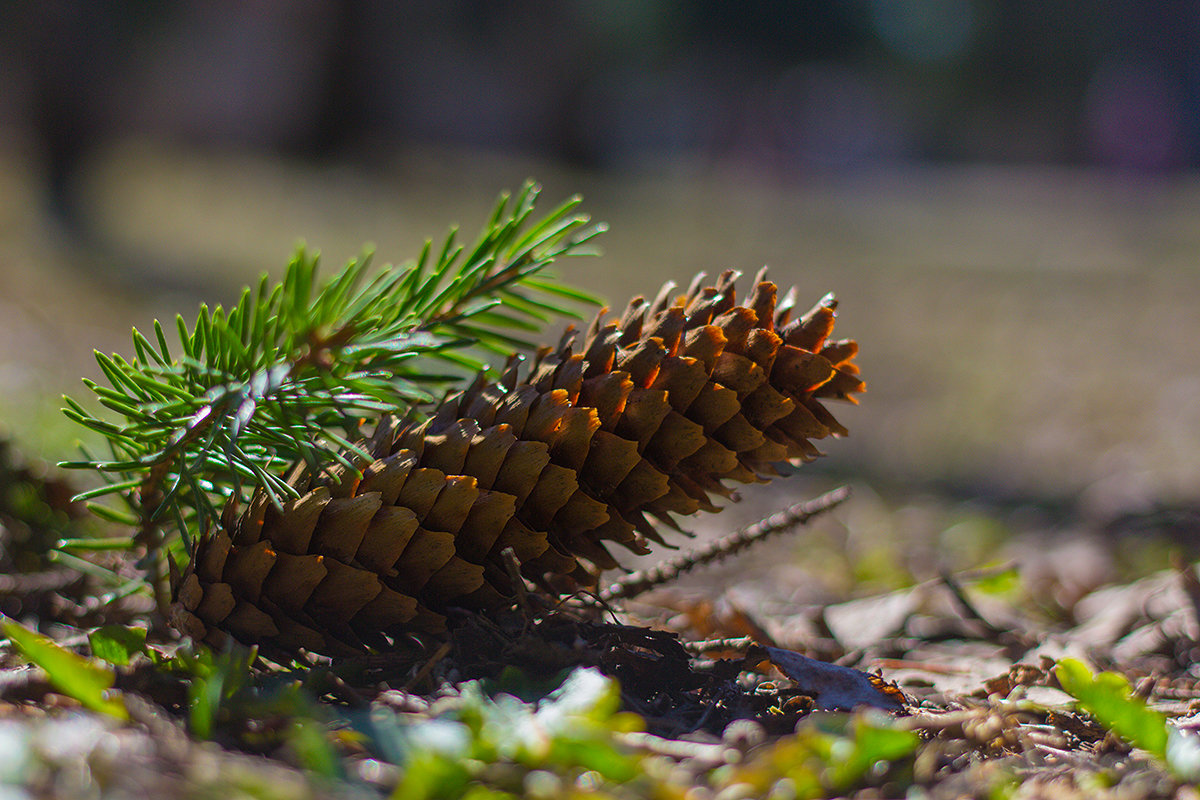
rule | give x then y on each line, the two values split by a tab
1108	698
575	743
73	675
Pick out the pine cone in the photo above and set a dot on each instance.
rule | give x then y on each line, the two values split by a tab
593	447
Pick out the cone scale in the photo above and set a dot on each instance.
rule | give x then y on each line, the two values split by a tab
602	443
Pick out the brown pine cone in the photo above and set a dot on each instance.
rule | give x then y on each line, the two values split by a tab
646	421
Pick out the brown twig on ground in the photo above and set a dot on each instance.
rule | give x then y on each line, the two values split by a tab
513	567
1008	638
637	583
717	645
967	608
428	666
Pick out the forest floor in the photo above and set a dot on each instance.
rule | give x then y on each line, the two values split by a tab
1023	500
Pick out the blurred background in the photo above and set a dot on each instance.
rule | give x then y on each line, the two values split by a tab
1003	195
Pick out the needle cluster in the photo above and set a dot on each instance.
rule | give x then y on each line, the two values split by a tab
296	367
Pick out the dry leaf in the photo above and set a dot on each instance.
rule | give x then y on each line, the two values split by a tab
836	688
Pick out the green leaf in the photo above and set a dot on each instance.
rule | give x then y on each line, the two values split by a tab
1004	583
73	675
1107	697
308	741
117	644
828	756
874	742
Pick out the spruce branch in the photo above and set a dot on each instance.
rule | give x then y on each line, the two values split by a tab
296	367
642	581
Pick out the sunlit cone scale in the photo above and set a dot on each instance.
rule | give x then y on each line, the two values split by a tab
646	420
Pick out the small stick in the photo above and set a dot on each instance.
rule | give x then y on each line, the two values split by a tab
967	608
513	567
644	580
424	671
340	689
1010	639
711	645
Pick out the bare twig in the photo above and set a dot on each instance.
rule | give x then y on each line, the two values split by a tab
642	581
967	608
1014	641
513	567
427	668
717	645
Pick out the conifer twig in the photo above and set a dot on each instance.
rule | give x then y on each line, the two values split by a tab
293	370
642	581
